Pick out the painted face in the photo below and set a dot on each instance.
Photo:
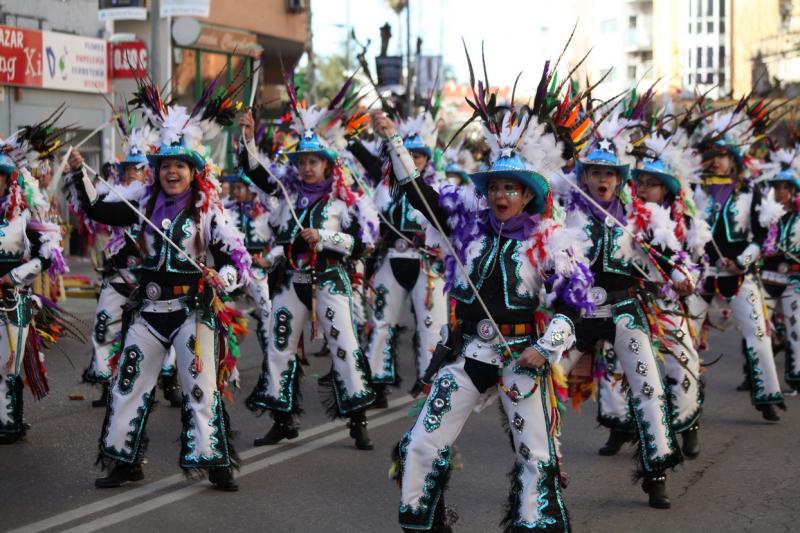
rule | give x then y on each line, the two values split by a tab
132	173
241	193
784	193
507	198
226	189
650	189
720	165
602	182
312	168
175	176
420	160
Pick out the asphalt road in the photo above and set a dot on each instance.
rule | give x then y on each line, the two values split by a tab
744	480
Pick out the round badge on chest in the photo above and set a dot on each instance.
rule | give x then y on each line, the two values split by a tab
166	223
303	202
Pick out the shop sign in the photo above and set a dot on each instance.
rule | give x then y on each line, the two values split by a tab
128	58
121	10
185	8
49	60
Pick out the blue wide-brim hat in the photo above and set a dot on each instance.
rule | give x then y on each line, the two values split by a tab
414	143
133	159
724	145
787	175
514	168
7	165
452	168
603	158
662	172
177	151
310	144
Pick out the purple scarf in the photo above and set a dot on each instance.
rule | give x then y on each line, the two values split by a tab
613	206
518	227
168	207
309	193
720	193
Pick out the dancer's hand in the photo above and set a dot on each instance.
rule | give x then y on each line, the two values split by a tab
381	124
247	123
259	261
311	236
729	265
532	358
75	160
683	287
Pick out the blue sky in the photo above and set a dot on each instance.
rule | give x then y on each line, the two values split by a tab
517	33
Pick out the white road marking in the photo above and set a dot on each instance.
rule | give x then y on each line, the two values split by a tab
309	444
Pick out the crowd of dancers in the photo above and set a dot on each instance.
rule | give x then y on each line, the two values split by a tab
553	251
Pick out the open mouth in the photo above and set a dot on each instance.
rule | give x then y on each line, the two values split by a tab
603	190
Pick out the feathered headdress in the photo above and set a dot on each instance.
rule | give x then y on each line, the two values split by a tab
183	132
783	164
734	131
32	146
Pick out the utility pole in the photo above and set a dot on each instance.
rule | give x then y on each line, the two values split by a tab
154	58
311	69
409	71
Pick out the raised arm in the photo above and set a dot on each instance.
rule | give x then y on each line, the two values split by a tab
257	174
98	209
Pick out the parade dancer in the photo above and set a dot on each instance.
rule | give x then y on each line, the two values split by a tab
405	268
119	276
29	247
728	203
780	273
667	170
619	322
177	304
506	254
319	225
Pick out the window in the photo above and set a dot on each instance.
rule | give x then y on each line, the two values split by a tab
690	80
689	58
709	7
709	57
709	77
722	26
699	62
690	27
709	27
631	72
699	27
698	8
721	78
721	8
721	62
632	22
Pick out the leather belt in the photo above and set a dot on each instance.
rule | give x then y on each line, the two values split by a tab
486	331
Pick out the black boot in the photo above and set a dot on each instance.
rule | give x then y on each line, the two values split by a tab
417	389
10	438
102	401
172	391
222	478
358	431
121	473
691	442
284	427
381	402
769	412
614	443
656	488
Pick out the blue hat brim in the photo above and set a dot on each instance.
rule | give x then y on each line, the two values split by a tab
794	181
7	169
177	152
424	150
531	180
464	175
328	155
668	180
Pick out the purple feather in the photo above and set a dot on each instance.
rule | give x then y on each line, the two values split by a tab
574	290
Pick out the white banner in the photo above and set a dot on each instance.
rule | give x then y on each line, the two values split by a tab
122	13
185	8
73	63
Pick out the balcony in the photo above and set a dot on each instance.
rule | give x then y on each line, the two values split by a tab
639	40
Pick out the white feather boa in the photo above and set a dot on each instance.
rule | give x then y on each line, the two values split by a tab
769	210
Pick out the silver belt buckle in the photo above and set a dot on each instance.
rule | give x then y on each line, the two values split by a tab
401	245
485	330
301	277
783	268
598	295
152	290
